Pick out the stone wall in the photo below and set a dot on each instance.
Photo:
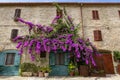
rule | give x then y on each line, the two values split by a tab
42	14
108	23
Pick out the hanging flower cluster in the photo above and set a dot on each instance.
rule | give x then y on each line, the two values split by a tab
61	35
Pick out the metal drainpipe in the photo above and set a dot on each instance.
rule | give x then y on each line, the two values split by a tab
81	5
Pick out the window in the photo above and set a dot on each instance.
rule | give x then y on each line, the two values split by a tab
119	13
95	15
59	13
10	59
17	14
43	55
97	35
59	58
14	33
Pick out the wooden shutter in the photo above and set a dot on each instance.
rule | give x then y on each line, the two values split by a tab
52	58
2	58
17	59
95	14
66	58
119	13
14	33
17	14
97	35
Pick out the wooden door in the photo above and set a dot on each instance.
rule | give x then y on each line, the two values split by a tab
58	63
108	63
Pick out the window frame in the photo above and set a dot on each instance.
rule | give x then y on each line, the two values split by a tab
6	64
119	13
60	58
95	15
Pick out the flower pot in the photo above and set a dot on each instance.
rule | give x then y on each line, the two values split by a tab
46	74
118	68
72	73
40	74
35	74
26	74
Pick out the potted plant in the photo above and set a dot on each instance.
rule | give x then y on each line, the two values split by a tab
34	70
71	67
47	69
26	69
116	56
40	71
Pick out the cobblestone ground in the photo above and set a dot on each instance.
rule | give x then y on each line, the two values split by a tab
113	77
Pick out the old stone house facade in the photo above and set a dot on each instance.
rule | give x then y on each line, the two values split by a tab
91	16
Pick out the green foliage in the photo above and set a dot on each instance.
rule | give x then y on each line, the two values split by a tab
44	69
47	69
64	25
116	55
28	67
40	69
71	67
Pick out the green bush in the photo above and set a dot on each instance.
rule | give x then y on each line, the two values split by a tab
28	67
71	67
116	55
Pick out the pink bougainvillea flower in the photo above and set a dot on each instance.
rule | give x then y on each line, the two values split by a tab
19	45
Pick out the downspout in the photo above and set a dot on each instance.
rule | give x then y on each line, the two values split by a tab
81	14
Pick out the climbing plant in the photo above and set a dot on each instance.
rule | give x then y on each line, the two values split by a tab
61	34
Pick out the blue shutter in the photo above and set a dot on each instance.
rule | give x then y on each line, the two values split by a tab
52	58
17	59
2	59
66	58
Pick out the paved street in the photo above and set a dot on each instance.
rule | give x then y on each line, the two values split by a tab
113	77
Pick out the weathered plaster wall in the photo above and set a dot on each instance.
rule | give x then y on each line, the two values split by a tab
108	23
43	14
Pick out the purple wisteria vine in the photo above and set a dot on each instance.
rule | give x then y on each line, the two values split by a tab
61	34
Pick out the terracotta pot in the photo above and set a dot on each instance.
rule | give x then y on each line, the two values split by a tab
35	74
41	74
118	68
72	73
46	74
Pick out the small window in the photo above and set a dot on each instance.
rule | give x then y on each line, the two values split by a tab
17	14
97	35
43	55
10	59
119	13
95	15
59	13
59	58
14	33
